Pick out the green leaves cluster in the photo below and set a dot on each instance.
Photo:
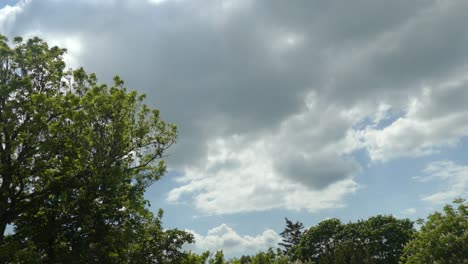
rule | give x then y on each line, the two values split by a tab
268	257
379	239
443	237
291	235
76	157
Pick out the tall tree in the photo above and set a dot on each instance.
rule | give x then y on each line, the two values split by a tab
443	237
75	161
291	235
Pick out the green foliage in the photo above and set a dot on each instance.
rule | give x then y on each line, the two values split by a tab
218	258
270	257
291	235
245	259
318	242
379	239
443	238
76	159
193	258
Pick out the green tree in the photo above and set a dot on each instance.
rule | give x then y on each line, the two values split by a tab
27	74
193	258
76	159
291	235
218	258
443	238
384	238
379	239
245	259
268	257
318	242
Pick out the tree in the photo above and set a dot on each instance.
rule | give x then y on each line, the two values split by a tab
291	235
443	237
27	74
379	239
193	258
218	258
318	242
245	259
384	237
268	257
75	161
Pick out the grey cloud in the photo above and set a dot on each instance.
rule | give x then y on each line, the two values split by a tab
317	172
339	23
446	100
428	47
224	165
246	71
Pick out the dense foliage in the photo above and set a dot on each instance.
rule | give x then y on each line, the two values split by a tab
291	235
443	237
75	161
379	239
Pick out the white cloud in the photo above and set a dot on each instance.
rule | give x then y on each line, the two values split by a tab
306	162
8	15
157	2
301	165
454	177
225	238
71	41
435	119
73	44
409	211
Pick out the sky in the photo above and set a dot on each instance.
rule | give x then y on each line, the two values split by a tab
301	109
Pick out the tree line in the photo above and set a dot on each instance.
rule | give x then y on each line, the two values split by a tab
77	156
441	238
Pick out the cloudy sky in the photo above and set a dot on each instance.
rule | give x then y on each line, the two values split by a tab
298	109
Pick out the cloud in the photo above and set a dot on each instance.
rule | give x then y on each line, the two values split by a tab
272	100
297	166
454	177
425	46
225	238
437	118
9	13
409	211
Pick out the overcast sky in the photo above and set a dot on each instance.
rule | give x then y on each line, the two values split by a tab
299	109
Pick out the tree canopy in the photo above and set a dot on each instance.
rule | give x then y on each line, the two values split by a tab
76	157
379	239
291	234
443	237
